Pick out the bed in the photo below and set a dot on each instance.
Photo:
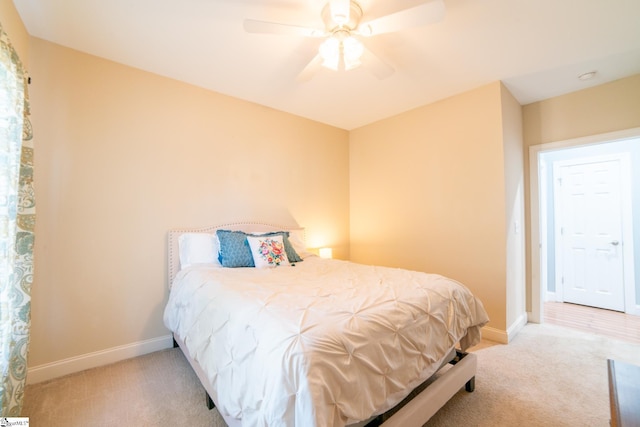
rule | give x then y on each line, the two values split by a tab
309	341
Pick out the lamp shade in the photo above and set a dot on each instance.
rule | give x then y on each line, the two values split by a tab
326	253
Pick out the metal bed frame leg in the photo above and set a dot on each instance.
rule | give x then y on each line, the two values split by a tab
210	404
470	385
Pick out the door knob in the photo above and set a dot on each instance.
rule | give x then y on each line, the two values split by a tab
615	243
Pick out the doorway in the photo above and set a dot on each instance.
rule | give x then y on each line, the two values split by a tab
584	156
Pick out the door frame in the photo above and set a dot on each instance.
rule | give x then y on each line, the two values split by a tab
535	247
626	221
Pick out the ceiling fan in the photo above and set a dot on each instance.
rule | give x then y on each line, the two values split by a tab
343	27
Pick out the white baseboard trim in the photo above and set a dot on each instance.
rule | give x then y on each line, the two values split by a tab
75	364
504	337
517	326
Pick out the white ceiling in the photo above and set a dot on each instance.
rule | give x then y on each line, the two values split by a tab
536	47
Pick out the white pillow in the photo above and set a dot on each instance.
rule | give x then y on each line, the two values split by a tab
267	251
198	248
296	238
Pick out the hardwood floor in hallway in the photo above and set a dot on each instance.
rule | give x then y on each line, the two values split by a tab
597	321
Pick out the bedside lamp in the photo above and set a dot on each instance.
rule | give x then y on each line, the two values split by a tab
326	253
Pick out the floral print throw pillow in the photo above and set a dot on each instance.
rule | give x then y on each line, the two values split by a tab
268	251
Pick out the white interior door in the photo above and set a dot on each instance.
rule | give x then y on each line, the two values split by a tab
589	256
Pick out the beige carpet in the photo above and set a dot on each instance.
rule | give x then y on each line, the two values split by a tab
547	376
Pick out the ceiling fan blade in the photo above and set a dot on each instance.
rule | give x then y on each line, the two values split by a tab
428	13
375	65
310	69
265	27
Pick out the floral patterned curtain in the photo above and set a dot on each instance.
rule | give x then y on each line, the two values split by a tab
17	220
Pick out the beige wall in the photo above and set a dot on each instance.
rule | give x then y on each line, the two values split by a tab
428	192
13	26
606	108
121	157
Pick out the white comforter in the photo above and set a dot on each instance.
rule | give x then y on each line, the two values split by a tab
321	343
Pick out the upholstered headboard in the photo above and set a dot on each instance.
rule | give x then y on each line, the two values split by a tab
173	257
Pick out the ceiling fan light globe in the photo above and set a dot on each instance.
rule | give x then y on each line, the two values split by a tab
330	53
330	48
352	49
332	63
